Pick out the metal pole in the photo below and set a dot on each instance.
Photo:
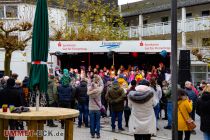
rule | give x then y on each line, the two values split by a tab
89	59
113	59
37	98
174	67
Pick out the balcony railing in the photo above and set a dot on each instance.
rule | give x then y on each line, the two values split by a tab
162	28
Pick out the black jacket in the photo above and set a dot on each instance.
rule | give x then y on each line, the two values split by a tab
81	93
10	96
203	110
66	94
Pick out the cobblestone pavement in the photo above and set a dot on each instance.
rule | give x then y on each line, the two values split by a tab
106	134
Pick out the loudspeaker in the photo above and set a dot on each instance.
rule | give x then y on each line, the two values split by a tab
184	59
184	73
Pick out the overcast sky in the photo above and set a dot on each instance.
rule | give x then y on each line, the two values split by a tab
121	2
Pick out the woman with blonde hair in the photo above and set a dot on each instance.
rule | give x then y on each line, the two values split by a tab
94	90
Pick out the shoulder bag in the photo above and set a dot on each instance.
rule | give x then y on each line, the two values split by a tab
102	108
190	122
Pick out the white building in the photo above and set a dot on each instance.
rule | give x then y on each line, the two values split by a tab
16	11
150	19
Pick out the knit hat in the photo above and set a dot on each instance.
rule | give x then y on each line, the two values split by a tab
115	81
65	80
66	72
121	76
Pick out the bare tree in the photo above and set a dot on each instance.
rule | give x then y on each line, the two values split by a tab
12	43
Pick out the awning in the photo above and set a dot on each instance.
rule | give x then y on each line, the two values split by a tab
150	46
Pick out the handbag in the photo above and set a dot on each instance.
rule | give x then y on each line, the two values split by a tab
190	122
102	108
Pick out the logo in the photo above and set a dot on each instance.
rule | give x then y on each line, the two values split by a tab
111	45
141	44
59	44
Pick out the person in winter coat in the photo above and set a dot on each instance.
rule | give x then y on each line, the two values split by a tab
163	101
167	94
157	95
127	110
83	99
3	82
142	120
184	110
161	73
108	87
95	89
52	93
192	96
203	111
11	96
26	90
66	95
116	96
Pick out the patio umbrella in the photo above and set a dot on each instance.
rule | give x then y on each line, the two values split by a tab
39	54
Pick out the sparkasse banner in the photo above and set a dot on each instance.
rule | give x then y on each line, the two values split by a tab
106	46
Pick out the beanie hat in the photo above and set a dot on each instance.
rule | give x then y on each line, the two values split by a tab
121	76
115	81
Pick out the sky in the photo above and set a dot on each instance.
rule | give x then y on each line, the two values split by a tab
121	2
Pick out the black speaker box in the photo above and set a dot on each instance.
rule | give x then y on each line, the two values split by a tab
184	59
184	73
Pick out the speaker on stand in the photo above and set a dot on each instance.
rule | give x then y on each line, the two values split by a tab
184	73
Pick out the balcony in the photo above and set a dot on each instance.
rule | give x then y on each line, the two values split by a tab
162	28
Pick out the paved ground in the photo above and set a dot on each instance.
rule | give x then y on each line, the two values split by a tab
106	134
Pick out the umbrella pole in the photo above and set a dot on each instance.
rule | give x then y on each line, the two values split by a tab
37	99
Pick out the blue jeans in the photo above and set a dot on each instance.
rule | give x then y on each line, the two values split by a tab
95	116
157	110
119	116
83	113
206	136
169	113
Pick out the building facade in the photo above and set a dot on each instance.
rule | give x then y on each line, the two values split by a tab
151	19
13	12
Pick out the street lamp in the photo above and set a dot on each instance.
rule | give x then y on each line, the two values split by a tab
174	67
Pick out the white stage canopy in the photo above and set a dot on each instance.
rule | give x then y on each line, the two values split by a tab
148	46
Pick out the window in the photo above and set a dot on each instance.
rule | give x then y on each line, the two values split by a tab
189	42
205	42
189	15
199	73
8	11
11	11
145	22
1	11
205	13
165	20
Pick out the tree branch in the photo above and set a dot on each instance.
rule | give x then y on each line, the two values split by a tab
27	39
2	26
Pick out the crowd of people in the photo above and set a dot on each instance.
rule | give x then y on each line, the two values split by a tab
140	94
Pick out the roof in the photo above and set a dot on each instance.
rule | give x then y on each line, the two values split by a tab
151	6
61	4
